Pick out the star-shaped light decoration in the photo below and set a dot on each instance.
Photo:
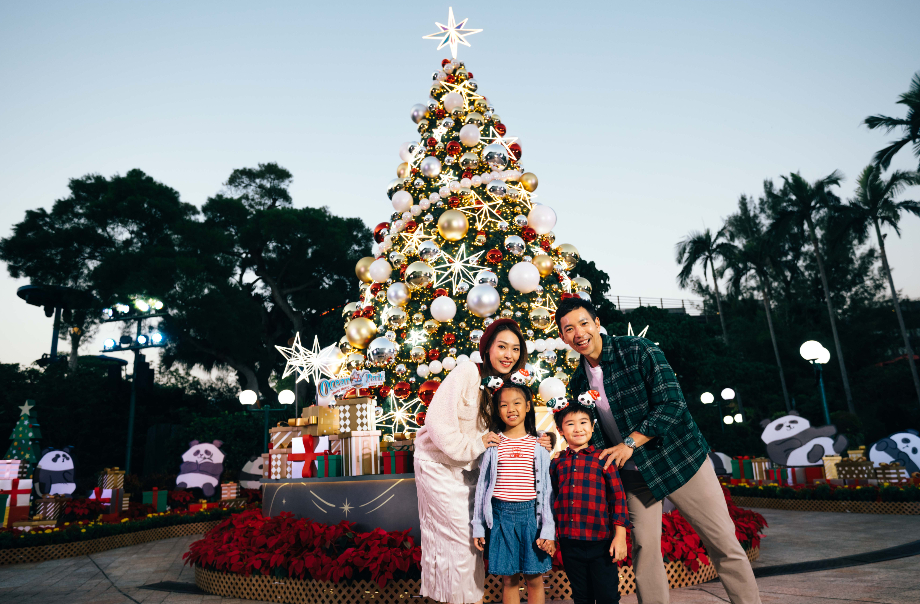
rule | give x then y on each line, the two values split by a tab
414	239
548	304
414	338
464	91
346	508
525	196
456	269
402	417
451	34
538	372
24	409
304	362
485	211
439	132
495	138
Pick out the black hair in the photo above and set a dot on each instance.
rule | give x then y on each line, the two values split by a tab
530	418
573	407
574	303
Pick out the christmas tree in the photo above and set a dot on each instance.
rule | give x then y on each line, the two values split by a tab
25	433
467	242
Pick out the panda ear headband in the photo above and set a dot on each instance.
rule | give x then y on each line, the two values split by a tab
521	377
586	399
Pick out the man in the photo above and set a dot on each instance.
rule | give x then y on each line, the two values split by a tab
663	453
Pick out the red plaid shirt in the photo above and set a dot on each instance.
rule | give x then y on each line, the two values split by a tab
588	501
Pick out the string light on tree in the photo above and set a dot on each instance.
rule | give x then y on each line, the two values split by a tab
402	415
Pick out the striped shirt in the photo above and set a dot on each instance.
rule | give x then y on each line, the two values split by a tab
515	480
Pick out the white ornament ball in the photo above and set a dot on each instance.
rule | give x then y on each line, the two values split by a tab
550	388
398	294
462	358
452	101
380	270
476	357
443	308
405	150
430	167
450	363
402	201
483	300
469	135
435	367
539	345
531	346
422	370
541	219
524	277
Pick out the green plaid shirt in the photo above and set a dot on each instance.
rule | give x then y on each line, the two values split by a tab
645	397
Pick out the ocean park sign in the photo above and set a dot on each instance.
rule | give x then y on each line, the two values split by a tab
357	379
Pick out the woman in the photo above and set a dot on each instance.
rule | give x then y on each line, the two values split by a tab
447	451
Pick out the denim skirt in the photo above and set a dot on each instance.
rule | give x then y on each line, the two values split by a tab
513	540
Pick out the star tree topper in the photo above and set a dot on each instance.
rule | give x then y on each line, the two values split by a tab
451	34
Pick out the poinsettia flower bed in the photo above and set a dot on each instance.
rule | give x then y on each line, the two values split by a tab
284	546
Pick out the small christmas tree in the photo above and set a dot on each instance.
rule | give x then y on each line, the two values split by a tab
25	434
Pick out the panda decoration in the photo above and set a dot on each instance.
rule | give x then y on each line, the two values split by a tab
54	475
201	467
251	473
721	463
900	447
791	441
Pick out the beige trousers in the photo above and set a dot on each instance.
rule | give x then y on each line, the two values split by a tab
702	504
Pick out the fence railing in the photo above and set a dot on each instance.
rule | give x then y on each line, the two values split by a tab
689	306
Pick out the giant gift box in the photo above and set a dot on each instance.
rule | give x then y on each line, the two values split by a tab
9	469
328	465
276	465
110	498
853	469
356	415
321	421
397	462
19	490
892	473
112	478
156	498
360	452
302	460
830	466
759	468
742	468
50	506
229	490
281	436
804	475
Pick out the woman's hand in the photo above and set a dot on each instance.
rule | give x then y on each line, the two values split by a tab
480	543
490	439
547	545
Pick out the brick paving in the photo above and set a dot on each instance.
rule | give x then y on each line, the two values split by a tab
116	576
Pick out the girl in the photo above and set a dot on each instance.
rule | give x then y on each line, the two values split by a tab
514	497
447	449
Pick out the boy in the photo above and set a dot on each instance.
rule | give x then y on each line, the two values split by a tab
589	508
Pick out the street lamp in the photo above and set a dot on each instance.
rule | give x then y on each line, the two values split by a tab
250	397
817	355
729	395
707	399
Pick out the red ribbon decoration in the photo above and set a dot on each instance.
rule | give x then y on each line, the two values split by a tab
308	456
15	491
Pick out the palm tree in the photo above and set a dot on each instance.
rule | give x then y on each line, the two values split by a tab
799	205
703	248
750	254
874	206
910	124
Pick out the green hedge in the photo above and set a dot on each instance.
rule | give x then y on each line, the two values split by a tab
825	492
83	532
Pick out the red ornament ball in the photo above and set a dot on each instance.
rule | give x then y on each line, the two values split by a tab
384	391
368	312
515	150
381	231
493	256
411	226
448	339
427	389
402	270
453	201
500	128
375	288
444	62
440	292
433	354
402	390
528	234
432	141
546	245
467	174
420	418
454	148
451	78
469	74
440	113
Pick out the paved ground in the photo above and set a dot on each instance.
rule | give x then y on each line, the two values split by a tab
115	576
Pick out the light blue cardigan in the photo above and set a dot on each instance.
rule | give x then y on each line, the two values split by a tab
488	471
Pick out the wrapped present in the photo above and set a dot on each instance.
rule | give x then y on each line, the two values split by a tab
281	436
804	475
328	465
237	502
9	469
776	475
279	466
110	498
321	421
16	513
742	468
830	465
759	467
19	490
112	478
356	415
301	457
201	506
126	500
851	469
857	453
300	422
893	473
397	462
156	498
361	453
26	470
50	506
37	523
229	490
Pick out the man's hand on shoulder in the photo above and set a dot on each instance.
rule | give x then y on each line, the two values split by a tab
618	454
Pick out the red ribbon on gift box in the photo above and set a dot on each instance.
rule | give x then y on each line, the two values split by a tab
325	455
97	492
15	491
308	456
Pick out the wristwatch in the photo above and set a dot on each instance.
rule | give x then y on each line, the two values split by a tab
629	442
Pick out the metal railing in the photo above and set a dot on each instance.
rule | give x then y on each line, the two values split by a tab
689	306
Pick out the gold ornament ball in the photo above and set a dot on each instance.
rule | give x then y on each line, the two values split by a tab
544	264
355	361
562	377
350	308
360	332
431	326
506	313
345	346
362	269
568	255
419	275
528	180
572	358
452	225
541	318
580	284
396	317
402	170
417	354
